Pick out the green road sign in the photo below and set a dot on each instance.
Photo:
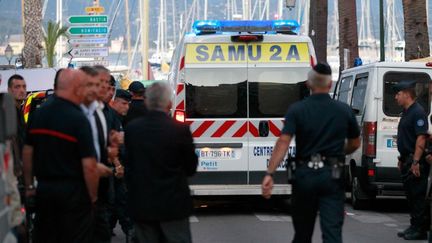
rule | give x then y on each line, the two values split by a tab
83	30
88	19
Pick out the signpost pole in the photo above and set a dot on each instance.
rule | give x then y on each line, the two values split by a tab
144	37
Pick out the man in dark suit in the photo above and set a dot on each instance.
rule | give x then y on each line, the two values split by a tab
160	157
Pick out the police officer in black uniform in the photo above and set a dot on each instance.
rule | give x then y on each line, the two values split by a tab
120	106
321	126
137	107
411	141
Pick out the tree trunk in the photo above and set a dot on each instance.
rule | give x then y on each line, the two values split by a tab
318	28
348	37
32	33
416	29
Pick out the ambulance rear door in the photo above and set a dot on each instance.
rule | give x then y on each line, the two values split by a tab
216	109
277	71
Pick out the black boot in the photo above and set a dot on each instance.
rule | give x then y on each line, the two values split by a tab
406	231
416	235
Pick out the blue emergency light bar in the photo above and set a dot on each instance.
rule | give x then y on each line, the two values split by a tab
220	26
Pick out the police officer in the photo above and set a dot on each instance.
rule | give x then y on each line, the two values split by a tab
321	126
411	140
120	105
137	106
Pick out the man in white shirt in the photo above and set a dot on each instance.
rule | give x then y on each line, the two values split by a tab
91	108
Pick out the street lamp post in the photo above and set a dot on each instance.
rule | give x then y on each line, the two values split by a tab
9	53
290	4
42	54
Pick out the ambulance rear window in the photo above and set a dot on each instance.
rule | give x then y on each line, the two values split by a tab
390	106
216	93
273	90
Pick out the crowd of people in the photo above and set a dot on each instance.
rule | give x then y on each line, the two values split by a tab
91	156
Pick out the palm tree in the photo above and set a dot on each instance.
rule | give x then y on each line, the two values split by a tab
32	33
348	36
318	27
52	34
416	29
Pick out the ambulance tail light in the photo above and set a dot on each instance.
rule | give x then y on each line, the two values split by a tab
371	172
369	139
180	116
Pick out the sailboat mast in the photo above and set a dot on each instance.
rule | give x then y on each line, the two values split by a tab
205	9
128	33
144	37
59	19
174	18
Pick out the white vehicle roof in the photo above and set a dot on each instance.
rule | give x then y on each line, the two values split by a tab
415	65
36	79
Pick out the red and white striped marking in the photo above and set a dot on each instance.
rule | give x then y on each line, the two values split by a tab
180	97
231	128
275	127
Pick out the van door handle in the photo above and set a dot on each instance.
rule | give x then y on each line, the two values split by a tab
263	129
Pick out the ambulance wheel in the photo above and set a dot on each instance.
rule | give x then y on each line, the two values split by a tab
359	199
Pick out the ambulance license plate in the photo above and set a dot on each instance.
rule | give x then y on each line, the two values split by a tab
222	153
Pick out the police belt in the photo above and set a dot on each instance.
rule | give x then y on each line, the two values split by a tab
318	162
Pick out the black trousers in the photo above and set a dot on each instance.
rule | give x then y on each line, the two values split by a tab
63	213
101	225
173	231
415	189
118	210
313	191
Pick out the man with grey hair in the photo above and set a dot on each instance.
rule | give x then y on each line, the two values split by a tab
321	126
160	157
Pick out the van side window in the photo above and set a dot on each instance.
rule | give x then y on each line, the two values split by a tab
359	92
390	106
344	88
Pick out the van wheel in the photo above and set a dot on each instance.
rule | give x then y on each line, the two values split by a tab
359	199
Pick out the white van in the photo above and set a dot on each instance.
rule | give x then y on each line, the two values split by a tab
234	82
372	169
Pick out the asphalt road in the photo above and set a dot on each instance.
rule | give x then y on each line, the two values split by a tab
255	220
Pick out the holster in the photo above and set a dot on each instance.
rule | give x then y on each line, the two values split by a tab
291	167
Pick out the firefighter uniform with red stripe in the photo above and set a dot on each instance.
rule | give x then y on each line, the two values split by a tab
61	136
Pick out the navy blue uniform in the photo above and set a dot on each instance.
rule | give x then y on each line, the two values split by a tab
412	124
118	188
61	137
320	126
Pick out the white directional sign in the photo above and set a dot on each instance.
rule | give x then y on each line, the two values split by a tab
90	52
90	41
92	63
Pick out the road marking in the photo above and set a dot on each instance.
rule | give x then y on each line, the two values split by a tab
193	219
372	218
391	225
273	217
